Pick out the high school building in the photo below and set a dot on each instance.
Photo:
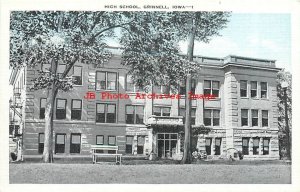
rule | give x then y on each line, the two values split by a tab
242	116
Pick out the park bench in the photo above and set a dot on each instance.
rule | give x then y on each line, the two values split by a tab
103	148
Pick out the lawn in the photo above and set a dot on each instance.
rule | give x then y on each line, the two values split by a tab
149	173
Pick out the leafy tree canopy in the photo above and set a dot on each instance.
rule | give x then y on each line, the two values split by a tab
151	44
67	37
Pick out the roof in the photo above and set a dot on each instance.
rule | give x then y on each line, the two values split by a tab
221	62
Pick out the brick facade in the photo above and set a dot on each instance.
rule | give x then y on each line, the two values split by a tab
228	72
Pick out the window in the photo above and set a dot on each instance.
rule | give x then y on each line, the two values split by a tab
46	67
157	111
111	141
216	117
75	143
100	80
130	86
139	114
162	111
77	75
265	118
42	108
161	89
111	81
182	89
134	114
166	111
129	114
211	88
182	113
253	89
193	87
100	116
60	143
106	113
41	143
207	87
254	113
157	89
211	117
61	108
111	113
60	69
193	115
245	146
255	146
165	89
207	117
166	144
218	146
99	141
140	144
266	143
243	88
244	114
129	143
76	109
215	88
208	146
106	81
263	89
11	128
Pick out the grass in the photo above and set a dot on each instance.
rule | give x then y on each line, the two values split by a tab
57	173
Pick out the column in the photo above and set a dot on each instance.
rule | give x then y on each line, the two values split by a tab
149	141
213	146
154	143
135	144
231	109
251	146
148	109
178	146
261	145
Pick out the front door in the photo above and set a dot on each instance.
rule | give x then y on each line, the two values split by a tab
167	143
218	146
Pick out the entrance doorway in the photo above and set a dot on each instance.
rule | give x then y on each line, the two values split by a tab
167	143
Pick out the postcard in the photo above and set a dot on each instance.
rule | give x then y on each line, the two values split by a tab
126	93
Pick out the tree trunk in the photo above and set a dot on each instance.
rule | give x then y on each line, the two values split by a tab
287	128
187	153
48	142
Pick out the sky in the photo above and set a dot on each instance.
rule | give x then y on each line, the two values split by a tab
266	36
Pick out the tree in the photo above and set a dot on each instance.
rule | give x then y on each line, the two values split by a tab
284	132
151	50
40	38
154	56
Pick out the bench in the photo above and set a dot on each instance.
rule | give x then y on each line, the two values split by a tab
96	154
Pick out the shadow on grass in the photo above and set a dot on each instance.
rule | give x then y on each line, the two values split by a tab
144	161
